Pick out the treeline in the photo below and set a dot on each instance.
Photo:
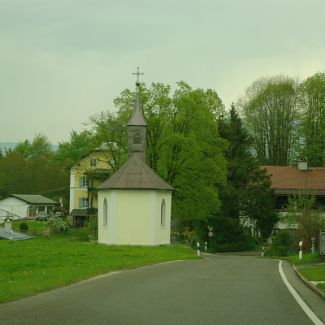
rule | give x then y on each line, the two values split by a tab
210	156
286	119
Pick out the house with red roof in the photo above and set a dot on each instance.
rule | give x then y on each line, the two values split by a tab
288	181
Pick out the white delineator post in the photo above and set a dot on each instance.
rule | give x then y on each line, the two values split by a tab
198	249
300	250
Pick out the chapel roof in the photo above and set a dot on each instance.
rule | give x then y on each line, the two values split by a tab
135	174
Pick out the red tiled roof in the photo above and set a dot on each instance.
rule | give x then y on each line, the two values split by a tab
291	179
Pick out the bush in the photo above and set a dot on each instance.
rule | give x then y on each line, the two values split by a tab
283	244
57	225
23	227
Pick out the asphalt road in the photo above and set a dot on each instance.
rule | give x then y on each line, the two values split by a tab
215	290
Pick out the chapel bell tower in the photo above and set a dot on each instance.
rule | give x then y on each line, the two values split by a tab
137	127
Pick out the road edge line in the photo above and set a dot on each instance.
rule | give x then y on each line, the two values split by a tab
312	316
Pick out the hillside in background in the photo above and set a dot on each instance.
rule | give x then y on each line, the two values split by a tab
11	145
7	145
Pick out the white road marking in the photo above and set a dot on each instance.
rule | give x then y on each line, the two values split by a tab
299	300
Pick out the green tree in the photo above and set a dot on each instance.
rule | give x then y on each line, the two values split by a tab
272	116
32	169
183	143
302	212
109	129
40	146
259	203
246	192
312	102
70	152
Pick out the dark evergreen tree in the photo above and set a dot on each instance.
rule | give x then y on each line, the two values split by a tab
246	193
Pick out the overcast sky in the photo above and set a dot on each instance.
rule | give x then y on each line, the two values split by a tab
62	61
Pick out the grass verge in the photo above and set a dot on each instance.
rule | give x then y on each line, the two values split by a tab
32	266
306	258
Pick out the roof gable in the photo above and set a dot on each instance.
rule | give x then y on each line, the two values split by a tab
34	199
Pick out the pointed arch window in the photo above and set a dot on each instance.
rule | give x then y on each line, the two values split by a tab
105	212
163	214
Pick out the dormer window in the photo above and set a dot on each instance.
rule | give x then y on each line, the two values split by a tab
93	162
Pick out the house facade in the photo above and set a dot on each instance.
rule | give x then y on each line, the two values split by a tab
17	206
300	180
85	176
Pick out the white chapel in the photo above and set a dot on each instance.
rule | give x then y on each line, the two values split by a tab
134	204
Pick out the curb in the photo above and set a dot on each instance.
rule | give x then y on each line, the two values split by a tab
308	283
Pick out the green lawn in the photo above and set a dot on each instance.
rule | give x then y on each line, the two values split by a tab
315	273
306	258
34	227
32	266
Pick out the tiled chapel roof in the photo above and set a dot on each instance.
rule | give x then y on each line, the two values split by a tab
135	174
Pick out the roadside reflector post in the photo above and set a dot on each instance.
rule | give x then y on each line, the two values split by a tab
300	250
198	249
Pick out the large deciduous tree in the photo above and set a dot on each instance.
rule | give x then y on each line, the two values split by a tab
272	116
312	102
183	143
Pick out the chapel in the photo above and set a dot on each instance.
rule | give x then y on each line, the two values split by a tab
134	203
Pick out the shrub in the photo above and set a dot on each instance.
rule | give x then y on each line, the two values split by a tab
57	225
283	244
23	227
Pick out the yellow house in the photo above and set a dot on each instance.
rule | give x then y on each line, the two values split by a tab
85	176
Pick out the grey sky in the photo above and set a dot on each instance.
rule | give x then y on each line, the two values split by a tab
62	61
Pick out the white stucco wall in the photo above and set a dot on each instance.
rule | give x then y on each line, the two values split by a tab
133	217
15	206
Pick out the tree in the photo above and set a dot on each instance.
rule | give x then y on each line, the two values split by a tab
272	117
31	168
40	146
312	102
183	145
110	129
259	203
302	212
70	152
246	193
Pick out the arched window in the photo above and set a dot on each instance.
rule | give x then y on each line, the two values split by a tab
105	212
163	214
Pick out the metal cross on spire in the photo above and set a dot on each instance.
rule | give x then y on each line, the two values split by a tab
138	74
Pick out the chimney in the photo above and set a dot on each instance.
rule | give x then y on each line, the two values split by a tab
302	165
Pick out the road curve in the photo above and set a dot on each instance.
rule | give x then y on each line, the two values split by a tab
214	290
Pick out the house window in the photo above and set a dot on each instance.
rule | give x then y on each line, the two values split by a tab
163	214
105	213
93	162
83	181
83	202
